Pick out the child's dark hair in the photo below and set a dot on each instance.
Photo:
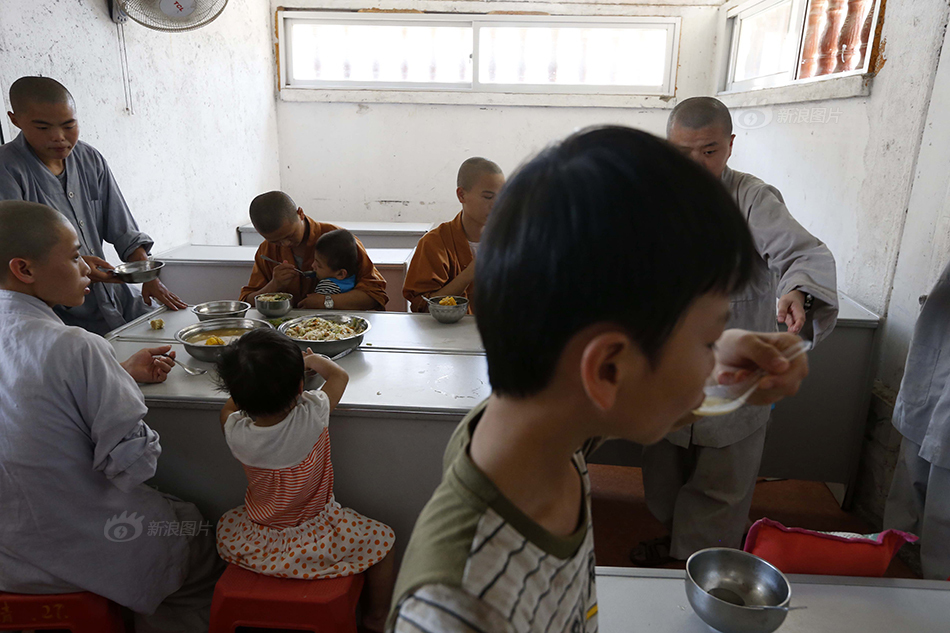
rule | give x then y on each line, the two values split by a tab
610	225
339	247
262	371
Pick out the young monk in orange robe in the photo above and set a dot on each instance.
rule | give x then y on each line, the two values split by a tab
444	261
289	237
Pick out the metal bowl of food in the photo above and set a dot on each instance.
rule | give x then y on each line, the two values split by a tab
447	309
221	310
139	272
205	340
328	334
273	304
736	592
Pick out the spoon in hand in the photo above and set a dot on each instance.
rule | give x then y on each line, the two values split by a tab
193	371
309	274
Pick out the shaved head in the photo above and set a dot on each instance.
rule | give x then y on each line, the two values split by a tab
271	210
28	231
473	169
696	113
27	90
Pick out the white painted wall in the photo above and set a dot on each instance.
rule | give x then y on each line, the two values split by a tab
392	162
849	181
925	246
202	140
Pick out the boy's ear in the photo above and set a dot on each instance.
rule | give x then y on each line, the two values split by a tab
13	120
604	363
341	274
22	270
460	194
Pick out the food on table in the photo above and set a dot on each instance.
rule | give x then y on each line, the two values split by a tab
319	329
221	336
279	321
447	301
274	296
157	324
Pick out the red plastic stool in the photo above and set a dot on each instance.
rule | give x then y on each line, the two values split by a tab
244	598
79	612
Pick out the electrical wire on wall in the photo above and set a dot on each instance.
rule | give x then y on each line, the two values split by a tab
124	65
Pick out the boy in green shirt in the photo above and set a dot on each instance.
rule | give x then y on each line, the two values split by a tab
650	247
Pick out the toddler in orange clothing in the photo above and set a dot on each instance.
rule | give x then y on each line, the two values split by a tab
290	524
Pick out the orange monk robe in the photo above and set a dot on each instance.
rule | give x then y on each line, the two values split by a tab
369	280
440	256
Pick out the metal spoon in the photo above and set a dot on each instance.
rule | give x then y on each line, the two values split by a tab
727	595
193	371
309	274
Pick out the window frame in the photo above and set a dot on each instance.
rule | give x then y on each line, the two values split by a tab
739	10
796	25
285	17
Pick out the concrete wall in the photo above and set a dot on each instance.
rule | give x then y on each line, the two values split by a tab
924	252
398	162
849	179
201	139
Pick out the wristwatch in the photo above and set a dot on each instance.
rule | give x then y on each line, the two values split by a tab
328	302
809	302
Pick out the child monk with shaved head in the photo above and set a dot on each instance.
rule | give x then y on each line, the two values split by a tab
75	451
48	164
290	237
444	261
699	480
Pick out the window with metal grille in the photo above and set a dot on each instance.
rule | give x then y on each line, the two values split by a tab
781	42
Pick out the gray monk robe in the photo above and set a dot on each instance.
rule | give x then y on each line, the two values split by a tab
91	200
919	500
75	513
699	480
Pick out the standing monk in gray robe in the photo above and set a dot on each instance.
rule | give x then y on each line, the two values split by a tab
47	163
699	480
919	501
75	451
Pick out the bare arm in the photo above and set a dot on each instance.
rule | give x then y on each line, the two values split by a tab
458	285
335	376
226	411
352	300
155	289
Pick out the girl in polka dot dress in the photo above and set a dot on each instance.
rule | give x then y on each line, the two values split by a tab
290	525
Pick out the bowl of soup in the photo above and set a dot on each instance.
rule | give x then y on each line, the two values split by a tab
205	340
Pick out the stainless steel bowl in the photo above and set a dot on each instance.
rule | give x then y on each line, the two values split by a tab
274	308
221	310
210	353
330	348
448	314
736	592
139	272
